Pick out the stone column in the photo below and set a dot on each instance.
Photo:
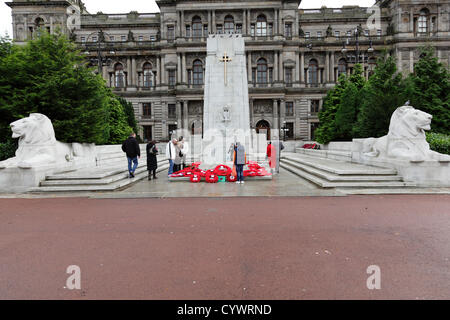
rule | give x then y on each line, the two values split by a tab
129	73
185	115
158	70
332	67
179	70
184	68
214	21
275	66
244	22
249	65
282	112
297	67
251	113
327	67
163	70
275	114
275	27
280	23
179	118
183	28
280	67
134	72
302	67
249	21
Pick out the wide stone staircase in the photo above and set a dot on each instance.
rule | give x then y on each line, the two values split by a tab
109	174
334	173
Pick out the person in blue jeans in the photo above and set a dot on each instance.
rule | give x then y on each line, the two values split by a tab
240	159
171	153
133	152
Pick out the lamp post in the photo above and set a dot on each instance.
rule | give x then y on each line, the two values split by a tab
100	61
356	59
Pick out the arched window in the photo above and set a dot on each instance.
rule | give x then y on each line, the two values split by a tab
313	71
198	72
229	24
119	76
423	21
197	27
261	26
261	71
342	67
39	22
148	75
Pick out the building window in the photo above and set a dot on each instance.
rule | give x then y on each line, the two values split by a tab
197	27
288	77
198	72
172	111
172	80
313	72
379	33
270	75
148	135
254	75
289	130
315	105
153	38
261	26
170	32
319	34
288	30
314	127
342	67
289	109
205	30
141	38
270	29
423	21
349	34
239	28
307	34
148	75
83	39
188	31
261	76
119	76
147	109
337	34
111	38
94	39
366	33
219	29
229	24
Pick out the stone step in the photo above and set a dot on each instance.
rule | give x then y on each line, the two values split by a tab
338	167
105	188
343	184
335	177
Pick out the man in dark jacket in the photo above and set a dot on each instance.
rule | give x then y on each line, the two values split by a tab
133	151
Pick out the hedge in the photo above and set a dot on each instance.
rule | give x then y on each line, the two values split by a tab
439	142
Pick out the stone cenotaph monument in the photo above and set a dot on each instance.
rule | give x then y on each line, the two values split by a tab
226	105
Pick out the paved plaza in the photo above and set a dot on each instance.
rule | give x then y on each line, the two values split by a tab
229	248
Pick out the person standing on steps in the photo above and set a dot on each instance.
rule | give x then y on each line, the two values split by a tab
133	152
184	150
171	153
240	159
152	161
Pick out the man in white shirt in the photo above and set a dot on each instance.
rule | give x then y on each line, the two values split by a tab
171	153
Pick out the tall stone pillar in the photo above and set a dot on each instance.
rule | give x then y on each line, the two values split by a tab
275	114
282	112
327	67
179	68
249	65
214	21
280	23
184	67
179	117
251	113
182	27
249	21
297	67
276	22
163	70
133	72
244	22
129	73
158	70
302	67
275	64
332	67
280	67
185	115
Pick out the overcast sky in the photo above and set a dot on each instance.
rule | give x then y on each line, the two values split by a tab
116	6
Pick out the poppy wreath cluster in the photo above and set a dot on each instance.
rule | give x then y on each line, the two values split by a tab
195	174
255	170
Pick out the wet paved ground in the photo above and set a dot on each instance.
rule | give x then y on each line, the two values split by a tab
233	248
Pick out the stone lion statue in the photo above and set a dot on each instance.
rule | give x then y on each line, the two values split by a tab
38	145
406	139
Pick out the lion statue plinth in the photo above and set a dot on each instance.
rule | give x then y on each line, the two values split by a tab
38	145
406	139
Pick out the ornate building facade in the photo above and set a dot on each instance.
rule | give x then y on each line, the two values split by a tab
157	60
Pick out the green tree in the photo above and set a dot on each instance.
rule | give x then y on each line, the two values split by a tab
49	75
348	108
129	113
383	93
429	89
119	128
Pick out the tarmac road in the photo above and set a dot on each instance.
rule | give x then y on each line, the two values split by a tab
234	248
